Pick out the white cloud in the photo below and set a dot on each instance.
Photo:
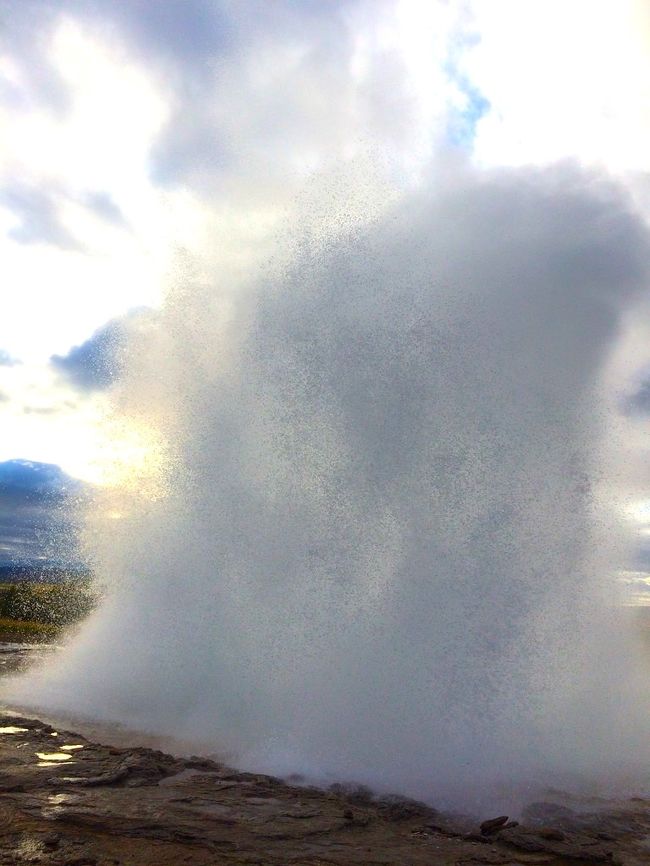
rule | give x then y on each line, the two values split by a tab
563	79
201	125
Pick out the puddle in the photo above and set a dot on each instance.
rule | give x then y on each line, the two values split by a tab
72	748
58	799
53	756
12	729
52	763
57	803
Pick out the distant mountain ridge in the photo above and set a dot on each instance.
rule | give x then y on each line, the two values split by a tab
37	520
41	573
30	476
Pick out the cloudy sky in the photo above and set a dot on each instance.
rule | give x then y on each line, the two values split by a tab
138	133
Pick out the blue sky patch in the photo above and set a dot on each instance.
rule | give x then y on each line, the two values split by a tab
462	122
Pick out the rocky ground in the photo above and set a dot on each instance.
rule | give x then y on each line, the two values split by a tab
65	800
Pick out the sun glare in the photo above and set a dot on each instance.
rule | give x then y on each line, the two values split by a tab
130	456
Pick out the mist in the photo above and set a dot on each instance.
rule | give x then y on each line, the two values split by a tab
379	548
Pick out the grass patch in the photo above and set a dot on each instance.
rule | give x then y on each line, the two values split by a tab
27	630
43	609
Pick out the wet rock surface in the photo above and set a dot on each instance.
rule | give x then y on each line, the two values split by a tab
65	800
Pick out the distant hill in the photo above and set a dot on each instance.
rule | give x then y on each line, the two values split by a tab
20	478
41	574
37	522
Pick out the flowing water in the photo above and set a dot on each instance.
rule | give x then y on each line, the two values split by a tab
380	549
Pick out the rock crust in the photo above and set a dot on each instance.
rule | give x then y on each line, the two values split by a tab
67	801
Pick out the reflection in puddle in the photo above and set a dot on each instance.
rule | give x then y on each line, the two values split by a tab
57	799
56	805
12	729
52	763
71	748
53	756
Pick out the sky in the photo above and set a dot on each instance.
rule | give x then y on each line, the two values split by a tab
137	136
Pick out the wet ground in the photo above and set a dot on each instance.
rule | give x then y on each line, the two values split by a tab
17	655
66	800
98	798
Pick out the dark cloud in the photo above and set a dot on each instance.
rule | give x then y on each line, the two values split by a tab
37	209
224	115
187	32
209	58
251	87
177	39
22	479
36	514
99	361
229	118
96	363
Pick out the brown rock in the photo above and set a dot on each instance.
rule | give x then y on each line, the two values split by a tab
550	833
493	824
198	813
51	840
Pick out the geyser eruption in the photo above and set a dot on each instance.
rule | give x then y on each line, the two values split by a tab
381	555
